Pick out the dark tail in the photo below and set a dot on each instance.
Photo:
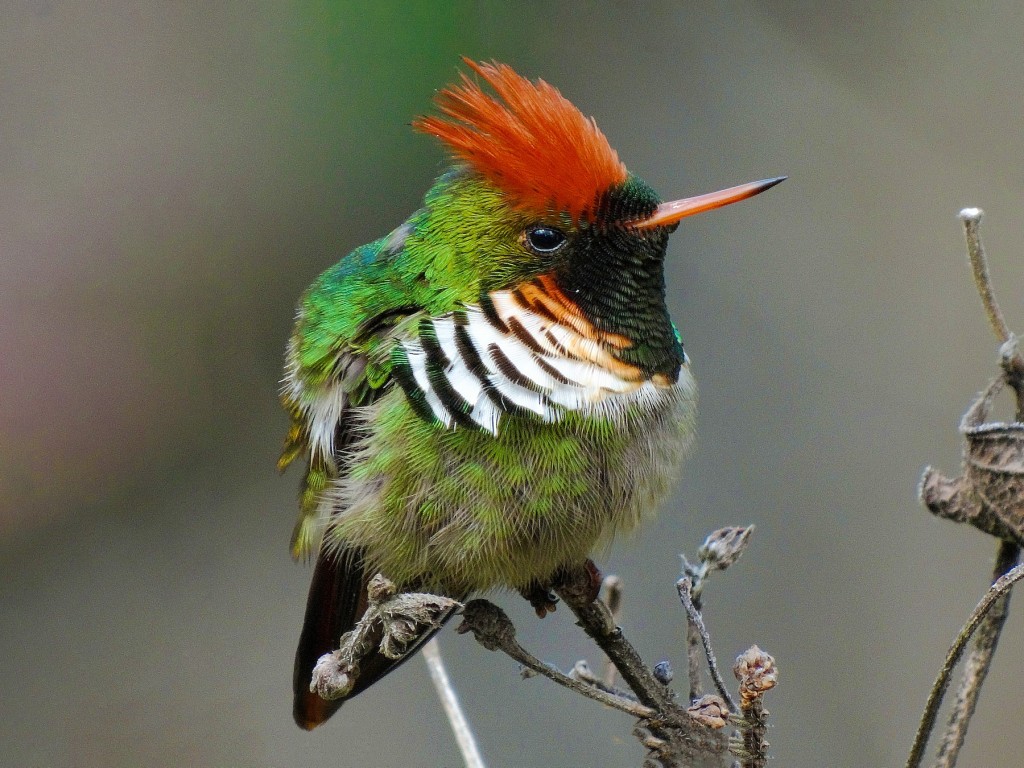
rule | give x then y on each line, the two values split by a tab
337	600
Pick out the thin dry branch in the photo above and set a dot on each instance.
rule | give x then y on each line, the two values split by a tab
674	734
977	664
694	649
971	217
581	671
985	496
612	589
452	708
596	620
683	587
720	549
493	629
1001	587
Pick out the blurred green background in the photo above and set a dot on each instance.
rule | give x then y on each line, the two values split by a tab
174	174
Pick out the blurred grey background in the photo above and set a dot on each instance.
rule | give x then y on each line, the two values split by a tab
174	174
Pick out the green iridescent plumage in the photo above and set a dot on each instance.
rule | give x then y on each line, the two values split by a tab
466	512
464	243
449	253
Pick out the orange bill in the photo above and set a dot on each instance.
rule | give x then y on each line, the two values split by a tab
671	212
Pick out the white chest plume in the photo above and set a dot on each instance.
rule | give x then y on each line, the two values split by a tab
477	365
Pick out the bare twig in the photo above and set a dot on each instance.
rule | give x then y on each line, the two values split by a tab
581	671
452	708
694	641
1001	586
977	664
963	500
683	587
753	747
593	616
971	217
493	629
693	654
613	599
674	735
720	549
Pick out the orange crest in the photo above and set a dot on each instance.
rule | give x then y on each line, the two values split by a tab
531	142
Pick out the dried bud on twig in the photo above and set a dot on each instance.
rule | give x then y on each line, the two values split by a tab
757	674
331	676
663	672
723	547
405	618
720	549
380	588
393	624
709	710
490	625
954	499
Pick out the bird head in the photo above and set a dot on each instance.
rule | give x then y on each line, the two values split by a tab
537	191
530	158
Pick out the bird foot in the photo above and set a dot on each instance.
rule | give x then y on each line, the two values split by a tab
543	600
596	580
584	581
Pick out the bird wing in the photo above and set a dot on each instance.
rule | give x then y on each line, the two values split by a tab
339	357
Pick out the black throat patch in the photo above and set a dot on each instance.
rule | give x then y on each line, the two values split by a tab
615	274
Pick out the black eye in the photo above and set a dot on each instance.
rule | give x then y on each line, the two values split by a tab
545	239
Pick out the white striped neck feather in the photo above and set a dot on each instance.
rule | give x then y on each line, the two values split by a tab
529	351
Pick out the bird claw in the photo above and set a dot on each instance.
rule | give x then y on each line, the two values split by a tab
543	600
596	580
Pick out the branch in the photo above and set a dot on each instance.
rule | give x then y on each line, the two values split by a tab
596	620
971	217
1001	587
494	630
693	654
674	734
452	708
683	587
613	599
977	665
986	495
720	549
581	671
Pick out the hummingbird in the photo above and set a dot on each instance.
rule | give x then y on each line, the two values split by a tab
494	389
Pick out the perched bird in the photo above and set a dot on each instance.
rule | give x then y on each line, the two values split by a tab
495	388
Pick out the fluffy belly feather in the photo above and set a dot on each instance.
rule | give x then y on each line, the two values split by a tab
460	510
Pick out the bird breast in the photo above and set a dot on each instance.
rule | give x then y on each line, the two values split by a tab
527	351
